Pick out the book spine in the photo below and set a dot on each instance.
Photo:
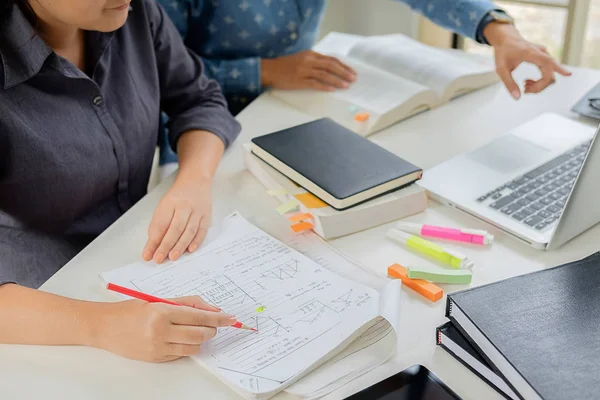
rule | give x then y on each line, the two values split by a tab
473	370
448	306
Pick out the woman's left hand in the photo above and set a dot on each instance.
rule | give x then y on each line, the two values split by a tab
180	222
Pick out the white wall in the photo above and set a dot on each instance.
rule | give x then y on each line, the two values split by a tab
370	17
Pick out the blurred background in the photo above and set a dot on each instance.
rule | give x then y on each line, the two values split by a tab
570	29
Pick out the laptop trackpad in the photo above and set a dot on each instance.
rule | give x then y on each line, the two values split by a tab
508	154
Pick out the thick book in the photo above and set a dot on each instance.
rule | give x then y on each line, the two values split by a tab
449	338
397	77
538	330
334	164
328	222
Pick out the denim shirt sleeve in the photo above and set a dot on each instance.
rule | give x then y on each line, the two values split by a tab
460	16
190	99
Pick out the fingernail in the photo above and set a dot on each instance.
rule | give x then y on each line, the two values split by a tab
175	255
516	95
159	257
345	85
146	255
193	248
231	317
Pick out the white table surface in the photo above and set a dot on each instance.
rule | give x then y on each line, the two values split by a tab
28	372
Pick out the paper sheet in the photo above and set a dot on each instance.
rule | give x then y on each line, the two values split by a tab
402	56
376	89
304	308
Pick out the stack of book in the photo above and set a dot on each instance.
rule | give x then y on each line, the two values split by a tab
532	336
339	182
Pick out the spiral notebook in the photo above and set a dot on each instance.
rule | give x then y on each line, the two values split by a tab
306	315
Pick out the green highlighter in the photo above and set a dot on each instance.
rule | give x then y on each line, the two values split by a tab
455	276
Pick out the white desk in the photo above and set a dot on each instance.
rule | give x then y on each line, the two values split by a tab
28	372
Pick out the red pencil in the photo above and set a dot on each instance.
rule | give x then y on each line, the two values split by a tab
154	299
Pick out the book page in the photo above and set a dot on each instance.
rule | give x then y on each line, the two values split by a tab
377	90
337	43
405	57
298	307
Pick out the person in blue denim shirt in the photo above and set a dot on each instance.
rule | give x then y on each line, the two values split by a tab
248	45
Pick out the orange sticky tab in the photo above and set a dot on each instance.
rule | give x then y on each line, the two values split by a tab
310	201
361	117
302	226
424	288
300	217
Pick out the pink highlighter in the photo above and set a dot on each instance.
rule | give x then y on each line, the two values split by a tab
474	236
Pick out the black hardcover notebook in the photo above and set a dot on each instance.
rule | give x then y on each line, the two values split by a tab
538	330
333	163
449	338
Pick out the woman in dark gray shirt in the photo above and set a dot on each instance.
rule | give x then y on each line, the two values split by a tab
82	84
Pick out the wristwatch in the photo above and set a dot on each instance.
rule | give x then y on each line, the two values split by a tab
493	16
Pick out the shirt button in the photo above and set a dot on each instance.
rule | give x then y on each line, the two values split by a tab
293	36
97	101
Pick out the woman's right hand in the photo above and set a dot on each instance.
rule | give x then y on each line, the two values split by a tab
159	332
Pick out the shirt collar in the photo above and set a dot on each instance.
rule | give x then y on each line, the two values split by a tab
23	53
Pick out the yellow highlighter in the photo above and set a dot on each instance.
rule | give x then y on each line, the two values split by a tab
426	247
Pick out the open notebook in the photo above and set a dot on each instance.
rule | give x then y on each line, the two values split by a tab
397	77
307	315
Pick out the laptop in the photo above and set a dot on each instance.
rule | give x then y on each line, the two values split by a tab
539	183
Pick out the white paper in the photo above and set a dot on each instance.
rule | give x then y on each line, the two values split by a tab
337	42
402	56
308	309
376	89
369	350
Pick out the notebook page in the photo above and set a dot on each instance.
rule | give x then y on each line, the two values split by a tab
299	307
402	56
370	349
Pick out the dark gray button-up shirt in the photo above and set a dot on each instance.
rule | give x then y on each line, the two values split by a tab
76	151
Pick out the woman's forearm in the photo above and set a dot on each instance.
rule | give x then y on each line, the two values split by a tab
34	317
199	155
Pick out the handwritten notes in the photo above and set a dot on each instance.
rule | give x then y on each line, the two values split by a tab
243	269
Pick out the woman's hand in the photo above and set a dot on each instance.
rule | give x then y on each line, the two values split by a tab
306	70
180	221
159	332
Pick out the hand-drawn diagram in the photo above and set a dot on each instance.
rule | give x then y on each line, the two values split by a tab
267	286
283	271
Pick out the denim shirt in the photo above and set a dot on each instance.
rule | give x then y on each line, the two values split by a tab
76	151
232	36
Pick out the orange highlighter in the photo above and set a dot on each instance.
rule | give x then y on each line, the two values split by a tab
424	288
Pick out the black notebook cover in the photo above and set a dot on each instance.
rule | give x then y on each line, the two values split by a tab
334	158
546	326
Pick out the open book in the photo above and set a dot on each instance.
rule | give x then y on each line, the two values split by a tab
397	77
306	315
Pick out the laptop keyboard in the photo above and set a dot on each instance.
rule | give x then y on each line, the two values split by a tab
537	198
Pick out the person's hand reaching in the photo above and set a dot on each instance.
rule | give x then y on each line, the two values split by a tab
511	49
